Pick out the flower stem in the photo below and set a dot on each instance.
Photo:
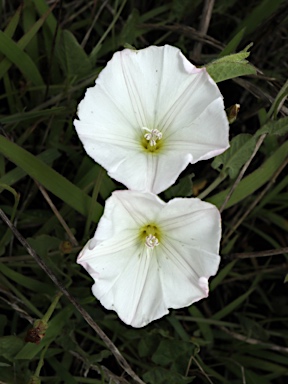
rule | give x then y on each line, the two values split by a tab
50	310
35	379
212	186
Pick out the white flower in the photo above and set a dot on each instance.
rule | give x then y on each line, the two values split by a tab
147	255
150	114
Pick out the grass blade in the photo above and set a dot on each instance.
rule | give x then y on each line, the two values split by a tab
50	179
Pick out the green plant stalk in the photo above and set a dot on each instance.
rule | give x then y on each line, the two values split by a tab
52	307
279	100
35	379
103	37
212	186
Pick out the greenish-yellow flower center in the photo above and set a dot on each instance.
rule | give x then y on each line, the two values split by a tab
152	139
150	235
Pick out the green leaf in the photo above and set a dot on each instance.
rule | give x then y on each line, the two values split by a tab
72	57
221	275
12	51
25	281
29	18
264	365
17	173
50	179
252	328
273	217
179	8
3	323
4	365
231	66
255	17
23	42
55	327
10	346
275	127
255	180
44	244
43	8
148	345
233	44
23	116
175	353
232	306
241	149
13	23
179	329
184	188
62	371
165	376
129	30
204	328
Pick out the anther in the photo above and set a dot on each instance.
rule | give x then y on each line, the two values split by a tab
152	136
151	241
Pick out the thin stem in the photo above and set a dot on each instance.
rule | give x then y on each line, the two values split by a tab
52	307
115	351
41	361
57	214
250	255
203	27
212	186
243	170
256	201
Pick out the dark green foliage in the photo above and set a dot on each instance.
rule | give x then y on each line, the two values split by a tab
50	52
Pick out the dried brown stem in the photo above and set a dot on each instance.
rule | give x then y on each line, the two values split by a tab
13	304
251	341
121	360
72	239
114	379
189	32
256	201
251	255
203	27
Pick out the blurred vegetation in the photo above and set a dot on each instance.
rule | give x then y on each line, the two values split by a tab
50	52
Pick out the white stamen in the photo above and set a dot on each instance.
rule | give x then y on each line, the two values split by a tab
151	241
152	136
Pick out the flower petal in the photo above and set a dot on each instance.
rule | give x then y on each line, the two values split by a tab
141	283
204	137
124	211
126	279
156	87
192	222
184	273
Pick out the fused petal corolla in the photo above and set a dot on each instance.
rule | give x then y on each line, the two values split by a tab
147	255
150	114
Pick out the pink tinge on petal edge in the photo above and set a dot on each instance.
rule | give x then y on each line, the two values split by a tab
203	283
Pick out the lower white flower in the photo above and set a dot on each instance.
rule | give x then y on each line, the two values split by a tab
147	255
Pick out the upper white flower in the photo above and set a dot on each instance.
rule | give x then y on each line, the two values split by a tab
147	255
150	114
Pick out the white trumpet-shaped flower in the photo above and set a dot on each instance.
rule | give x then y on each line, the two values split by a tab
147	255
150	114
